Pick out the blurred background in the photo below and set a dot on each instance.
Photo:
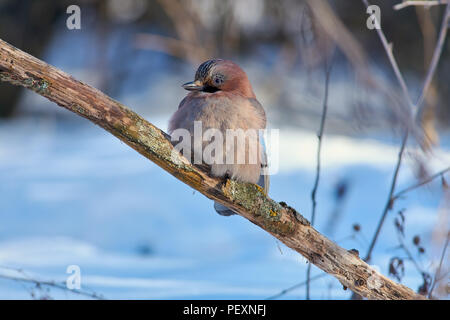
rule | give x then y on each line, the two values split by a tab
72	194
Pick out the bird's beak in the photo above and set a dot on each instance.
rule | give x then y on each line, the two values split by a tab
196	85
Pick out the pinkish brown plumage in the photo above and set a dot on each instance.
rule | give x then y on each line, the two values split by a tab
222	98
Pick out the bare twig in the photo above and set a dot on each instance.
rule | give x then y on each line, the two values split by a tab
427	4
389	203
328	68
402	83
434	61
410	257
438	271
319	145
296	286
388	48
421	183
48	283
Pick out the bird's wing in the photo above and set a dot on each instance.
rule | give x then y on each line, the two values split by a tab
264	178
182	102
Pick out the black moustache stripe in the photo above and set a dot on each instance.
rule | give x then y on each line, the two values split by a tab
210	89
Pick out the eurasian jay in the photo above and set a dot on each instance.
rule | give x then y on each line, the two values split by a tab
222	98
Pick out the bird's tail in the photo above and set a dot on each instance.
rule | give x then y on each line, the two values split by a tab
222	210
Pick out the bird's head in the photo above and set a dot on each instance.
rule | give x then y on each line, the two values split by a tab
220	75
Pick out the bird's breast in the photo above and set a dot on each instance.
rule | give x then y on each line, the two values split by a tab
221	111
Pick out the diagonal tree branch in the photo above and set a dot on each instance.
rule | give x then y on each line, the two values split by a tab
278	219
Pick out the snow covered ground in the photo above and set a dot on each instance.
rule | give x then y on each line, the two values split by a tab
71	194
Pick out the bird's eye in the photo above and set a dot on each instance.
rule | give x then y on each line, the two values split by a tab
218	80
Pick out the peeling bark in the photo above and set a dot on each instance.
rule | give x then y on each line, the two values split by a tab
249	200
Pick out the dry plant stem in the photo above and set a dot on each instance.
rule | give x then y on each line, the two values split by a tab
249	200
427	4
430	73
409	256
60	286
402	83
319	150
434	62
436	56
421	183
389	202
438	271
388	49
